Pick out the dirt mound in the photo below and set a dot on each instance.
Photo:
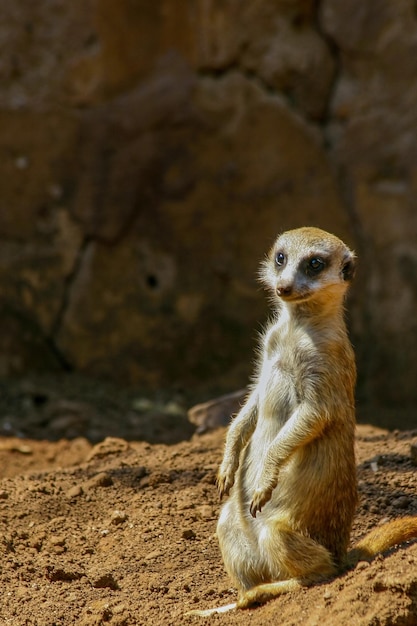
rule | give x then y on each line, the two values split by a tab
123	533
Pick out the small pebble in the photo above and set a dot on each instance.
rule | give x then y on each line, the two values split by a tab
118	517
58	540
362	565
75	491
153	555
102	479
402	502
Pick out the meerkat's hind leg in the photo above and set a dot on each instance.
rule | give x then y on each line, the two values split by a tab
268	591
295	561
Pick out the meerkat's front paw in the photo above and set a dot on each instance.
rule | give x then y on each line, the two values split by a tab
225	480
260	498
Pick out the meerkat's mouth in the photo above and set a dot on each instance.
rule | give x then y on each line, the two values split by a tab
295	297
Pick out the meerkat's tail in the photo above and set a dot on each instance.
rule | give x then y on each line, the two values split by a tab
217	609
383	538
379	540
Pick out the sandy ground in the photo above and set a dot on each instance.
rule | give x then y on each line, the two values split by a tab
101	524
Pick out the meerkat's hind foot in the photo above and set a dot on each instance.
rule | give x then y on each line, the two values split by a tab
267	591
209	612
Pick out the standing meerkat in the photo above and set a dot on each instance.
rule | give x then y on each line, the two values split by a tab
289	462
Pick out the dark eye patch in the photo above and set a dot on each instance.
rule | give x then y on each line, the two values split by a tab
314	265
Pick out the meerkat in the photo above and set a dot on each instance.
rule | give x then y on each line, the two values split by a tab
289	462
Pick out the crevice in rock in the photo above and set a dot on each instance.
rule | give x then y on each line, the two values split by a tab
61	358
218	73
66	297
250	75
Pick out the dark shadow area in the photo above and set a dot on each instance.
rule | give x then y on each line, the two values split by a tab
66	407
392	462
384	483
398	418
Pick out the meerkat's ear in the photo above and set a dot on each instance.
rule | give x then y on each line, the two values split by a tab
349	266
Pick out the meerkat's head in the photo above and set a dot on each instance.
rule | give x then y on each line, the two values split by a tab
307	264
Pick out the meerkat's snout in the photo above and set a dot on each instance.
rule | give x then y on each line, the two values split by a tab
284	290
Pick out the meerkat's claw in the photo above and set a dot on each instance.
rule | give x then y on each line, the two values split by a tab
224	484
260	498
254	509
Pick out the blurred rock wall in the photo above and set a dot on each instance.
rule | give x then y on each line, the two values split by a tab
150	153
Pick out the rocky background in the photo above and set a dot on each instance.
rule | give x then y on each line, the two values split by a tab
151	151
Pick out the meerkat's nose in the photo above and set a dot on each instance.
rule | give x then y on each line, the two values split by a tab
284	290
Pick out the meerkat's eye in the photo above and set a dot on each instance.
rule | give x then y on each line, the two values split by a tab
280	259
315	265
